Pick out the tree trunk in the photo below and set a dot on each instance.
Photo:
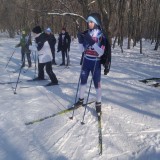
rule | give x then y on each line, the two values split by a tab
105	18
121	12
130	23
139	23
158	39
114	43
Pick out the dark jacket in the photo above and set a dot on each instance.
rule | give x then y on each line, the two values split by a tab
52	42
40	40
64	44
44	49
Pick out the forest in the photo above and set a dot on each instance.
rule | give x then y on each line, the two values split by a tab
132	19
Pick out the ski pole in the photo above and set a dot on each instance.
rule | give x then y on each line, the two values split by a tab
10	58
76	96
18	78
82	122
35	59
77	88
35	63
34	54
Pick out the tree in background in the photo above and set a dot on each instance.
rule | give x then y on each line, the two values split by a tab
132	19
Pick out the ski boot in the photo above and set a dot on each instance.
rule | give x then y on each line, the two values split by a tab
52	84
98	108
62	64
38	79
79	103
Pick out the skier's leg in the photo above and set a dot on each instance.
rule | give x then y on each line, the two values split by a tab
50	73
63	58
29	59
23	57
83	77
97	83
53	55
41	70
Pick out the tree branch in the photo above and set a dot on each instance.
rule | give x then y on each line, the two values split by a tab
67	14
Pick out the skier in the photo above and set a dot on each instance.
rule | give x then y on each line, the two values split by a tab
24	43
52	42
92	43
44	55
64	41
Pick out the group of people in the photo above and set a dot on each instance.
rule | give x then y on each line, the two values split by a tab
94	46
45	46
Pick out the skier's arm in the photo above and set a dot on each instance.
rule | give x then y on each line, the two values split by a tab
99	50
41	40
81	47
40	45
59	47
69	39
18	45
53	39
90	41
81	41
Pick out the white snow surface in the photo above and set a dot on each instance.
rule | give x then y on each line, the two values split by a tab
130	118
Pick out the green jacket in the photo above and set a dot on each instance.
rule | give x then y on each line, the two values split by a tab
22	41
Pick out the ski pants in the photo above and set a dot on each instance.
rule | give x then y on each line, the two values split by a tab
28	54
53	54
49	71
93	66
65	53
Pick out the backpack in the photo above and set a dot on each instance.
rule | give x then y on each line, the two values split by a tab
106	57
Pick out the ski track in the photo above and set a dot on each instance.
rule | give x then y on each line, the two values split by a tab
122	136
56	133
62	142
70	137
64	138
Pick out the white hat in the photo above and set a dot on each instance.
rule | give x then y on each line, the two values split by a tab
48	30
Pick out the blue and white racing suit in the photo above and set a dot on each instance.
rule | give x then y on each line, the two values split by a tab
91	63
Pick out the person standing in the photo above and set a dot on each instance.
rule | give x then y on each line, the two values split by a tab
92	43
64	41
52	42
24	43
44	55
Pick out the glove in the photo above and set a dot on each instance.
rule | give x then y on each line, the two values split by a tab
32	48
80	38
88	39
16	46
107	68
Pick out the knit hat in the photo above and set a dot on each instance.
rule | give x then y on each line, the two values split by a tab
37	30
48	30
96	18
63	29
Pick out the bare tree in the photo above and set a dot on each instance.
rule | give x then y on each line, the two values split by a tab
134	19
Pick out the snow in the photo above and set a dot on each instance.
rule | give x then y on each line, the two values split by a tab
130	119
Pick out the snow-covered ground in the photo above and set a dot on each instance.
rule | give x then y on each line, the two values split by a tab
130	119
